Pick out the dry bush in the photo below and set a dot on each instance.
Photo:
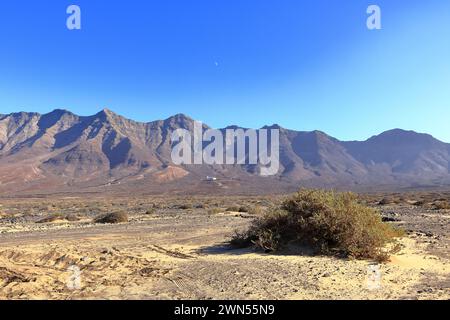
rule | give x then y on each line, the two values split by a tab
59	216
329	222
419	203
386	201
51	218
112	218
185	206
256	210
72	217
441	205
215	211
237	209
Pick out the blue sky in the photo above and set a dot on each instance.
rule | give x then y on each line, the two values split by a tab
305	65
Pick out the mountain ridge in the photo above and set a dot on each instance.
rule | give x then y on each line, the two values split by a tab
108	152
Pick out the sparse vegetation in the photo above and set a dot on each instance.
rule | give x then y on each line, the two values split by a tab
112	218
154	245
330	222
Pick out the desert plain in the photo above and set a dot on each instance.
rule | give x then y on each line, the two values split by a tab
177	248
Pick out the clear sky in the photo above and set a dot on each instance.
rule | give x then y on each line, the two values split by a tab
304	64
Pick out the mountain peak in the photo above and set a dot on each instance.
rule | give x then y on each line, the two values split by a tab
106	110
397	131
60	111
179	120
273	127
180	116
404	136
106	114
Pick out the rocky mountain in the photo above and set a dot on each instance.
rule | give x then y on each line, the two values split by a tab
61	152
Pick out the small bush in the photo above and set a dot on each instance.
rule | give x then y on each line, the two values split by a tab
255	210
419	203
72	217
215	211
386	201
332	223
237	209
441	205
59	217
51	218
112	218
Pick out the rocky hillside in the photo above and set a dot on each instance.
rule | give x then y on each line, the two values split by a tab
63	152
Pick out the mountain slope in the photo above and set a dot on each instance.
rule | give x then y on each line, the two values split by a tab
63	152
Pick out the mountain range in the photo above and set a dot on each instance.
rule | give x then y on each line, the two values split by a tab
61	152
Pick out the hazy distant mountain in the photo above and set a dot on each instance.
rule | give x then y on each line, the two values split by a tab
63	152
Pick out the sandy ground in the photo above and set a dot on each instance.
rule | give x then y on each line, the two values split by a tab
183	256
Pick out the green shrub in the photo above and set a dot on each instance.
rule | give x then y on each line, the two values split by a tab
329	222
